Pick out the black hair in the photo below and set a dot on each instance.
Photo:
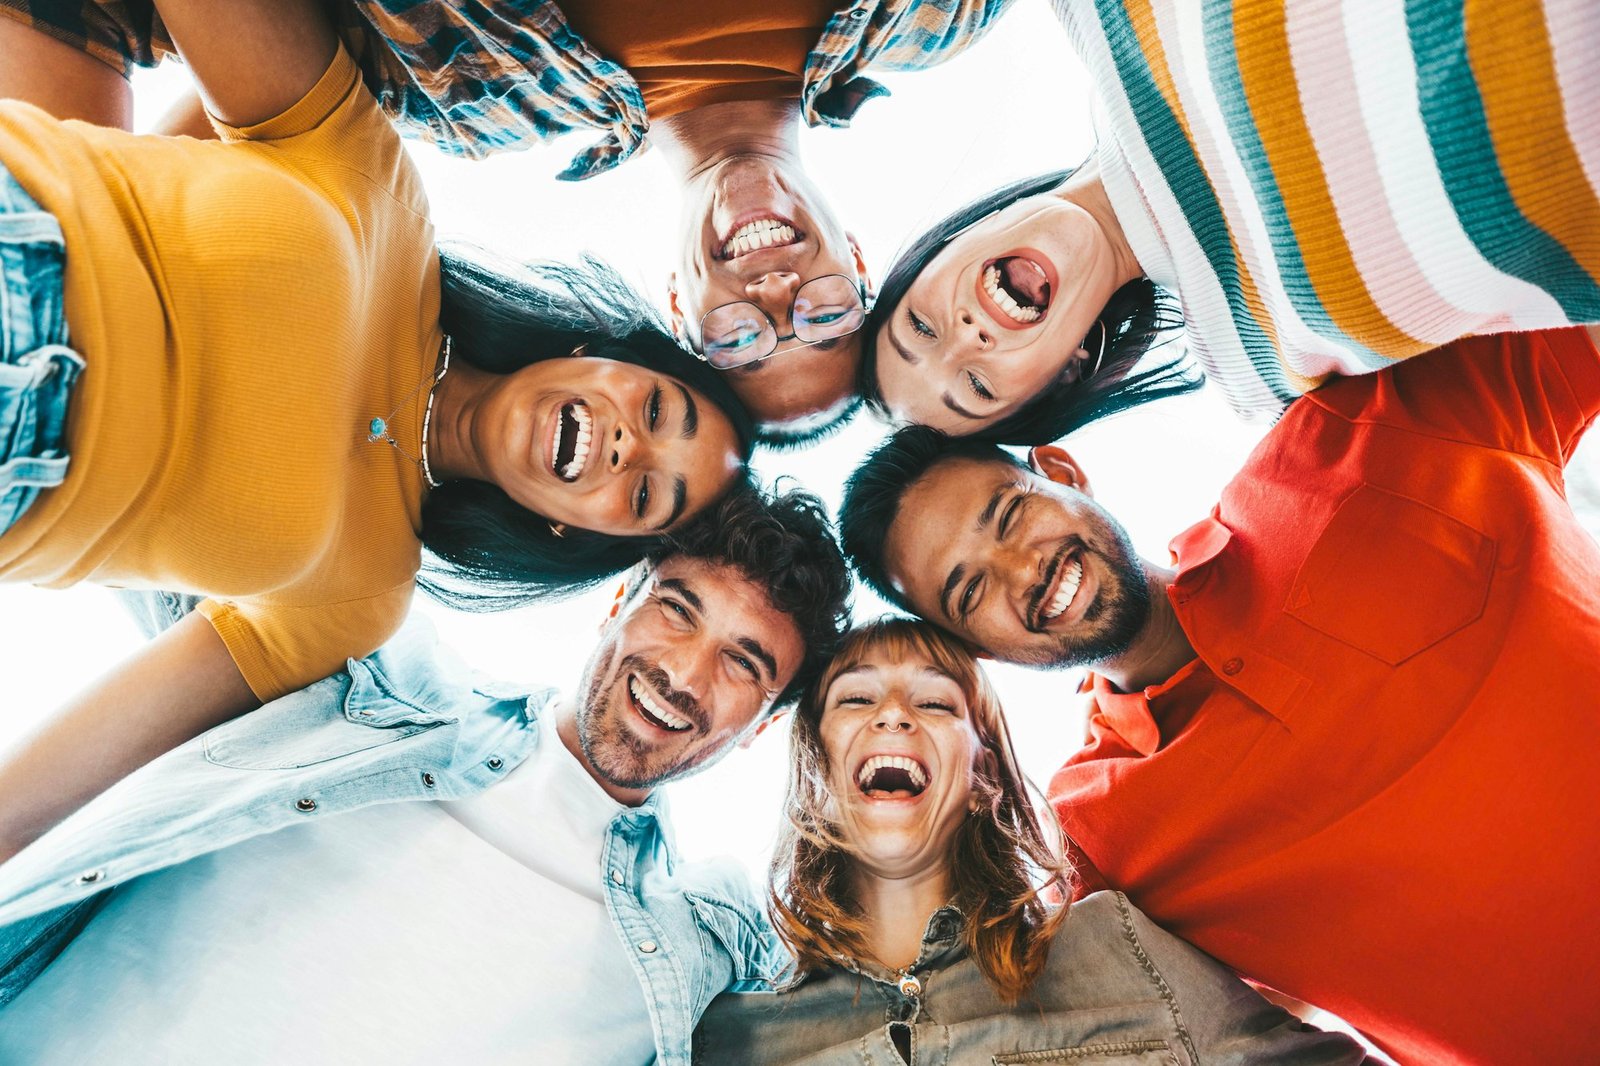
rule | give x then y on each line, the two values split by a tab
486	552
873	493
792	437
1136	319
782	542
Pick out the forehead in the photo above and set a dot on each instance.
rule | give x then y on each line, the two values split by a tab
939	516
802	387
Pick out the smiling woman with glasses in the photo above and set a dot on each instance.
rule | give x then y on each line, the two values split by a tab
824	309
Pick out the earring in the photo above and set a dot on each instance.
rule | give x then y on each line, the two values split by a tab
558	529
1101	357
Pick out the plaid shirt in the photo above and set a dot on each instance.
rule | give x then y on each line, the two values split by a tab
480	76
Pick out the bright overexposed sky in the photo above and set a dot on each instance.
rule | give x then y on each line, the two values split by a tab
1015	104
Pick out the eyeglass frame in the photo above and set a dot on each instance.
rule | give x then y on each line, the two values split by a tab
857	285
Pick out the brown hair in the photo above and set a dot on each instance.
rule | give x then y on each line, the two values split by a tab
1003	857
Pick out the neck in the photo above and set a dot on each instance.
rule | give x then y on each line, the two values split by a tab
695	141
1085	189
566	713
1160	648
458	401
897	911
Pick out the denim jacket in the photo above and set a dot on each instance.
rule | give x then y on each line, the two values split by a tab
1117	990
406	723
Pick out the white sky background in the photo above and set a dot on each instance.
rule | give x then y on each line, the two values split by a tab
1015	104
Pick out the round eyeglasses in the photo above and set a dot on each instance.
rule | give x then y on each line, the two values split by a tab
824	309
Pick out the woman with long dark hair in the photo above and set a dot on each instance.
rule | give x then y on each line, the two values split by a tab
242	369
913	882
1320	189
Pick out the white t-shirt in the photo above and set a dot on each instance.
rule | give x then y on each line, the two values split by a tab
390	935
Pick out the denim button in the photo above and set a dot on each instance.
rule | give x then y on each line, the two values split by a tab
305	804
495	762
428	779
616	877
648	946
89	877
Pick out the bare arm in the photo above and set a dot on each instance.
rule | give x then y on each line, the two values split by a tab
186	118
181	684
58	78
252	59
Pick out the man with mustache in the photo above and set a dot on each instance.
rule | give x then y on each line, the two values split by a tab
771	286
537	916
1346	741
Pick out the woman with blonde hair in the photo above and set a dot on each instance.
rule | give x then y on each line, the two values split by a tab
914	883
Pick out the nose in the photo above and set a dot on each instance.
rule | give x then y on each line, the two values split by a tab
1019	566
627	448
773	290
688	670
969	334
892	716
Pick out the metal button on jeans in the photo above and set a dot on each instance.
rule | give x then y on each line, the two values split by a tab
495	762
89	877
305	804
648	946
616	877
428	779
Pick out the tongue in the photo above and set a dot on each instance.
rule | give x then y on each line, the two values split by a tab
1025	281
884	794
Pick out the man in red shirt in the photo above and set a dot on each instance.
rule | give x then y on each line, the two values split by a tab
1348	742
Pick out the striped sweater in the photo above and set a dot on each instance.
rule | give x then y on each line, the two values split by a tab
1331	185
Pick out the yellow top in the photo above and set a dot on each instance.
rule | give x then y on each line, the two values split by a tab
245	307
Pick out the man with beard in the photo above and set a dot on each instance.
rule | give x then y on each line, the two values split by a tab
770	286
1346	742
537	916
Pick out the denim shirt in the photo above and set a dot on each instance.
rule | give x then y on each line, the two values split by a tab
409	722
1116	989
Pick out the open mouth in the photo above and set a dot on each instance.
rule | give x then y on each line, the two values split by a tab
892	777
1059	590
650	709
756	235
569	440
1018	287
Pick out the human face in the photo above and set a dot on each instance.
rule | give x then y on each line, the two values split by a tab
606	446
900	746
685	673
997	317
1031	571
756	231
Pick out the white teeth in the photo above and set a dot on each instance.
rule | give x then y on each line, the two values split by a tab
997	293
1069	588
672	721
580	452
919	777
762	233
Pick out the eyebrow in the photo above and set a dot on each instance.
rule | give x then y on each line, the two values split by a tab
680	499
681	588
950	402
691	414
904	352
753	646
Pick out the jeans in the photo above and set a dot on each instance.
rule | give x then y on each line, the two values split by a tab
37	369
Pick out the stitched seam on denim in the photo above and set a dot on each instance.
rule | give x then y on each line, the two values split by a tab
1083	1051
1124	908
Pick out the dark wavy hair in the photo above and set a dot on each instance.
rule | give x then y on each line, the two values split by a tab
485	552
782	542
874	490
1137	318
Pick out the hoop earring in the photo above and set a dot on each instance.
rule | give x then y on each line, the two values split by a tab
1101	357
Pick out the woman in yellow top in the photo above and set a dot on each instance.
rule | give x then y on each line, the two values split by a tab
280	392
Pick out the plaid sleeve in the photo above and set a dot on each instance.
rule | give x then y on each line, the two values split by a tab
122	34
918	34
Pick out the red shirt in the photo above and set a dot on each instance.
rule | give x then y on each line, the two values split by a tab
1377	788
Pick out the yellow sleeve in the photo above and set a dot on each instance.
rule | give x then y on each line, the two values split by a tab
280	648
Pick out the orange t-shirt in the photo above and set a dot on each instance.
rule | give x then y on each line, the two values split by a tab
689	55
1375	788
244	307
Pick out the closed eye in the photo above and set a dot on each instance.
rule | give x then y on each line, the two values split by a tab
937	705
969	599
1004	525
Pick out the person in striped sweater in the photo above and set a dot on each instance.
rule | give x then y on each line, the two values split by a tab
1321	188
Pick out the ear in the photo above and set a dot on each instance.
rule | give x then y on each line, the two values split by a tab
861	266
1054	462
674	310
761	727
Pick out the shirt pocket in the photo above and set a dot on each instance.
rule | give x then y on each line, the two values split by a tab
1391	576
727	933
1117	1053
338	716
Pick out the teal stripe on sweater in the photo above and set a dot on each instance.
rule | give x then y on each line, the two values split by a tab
1222	56
1184	175
1458	133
